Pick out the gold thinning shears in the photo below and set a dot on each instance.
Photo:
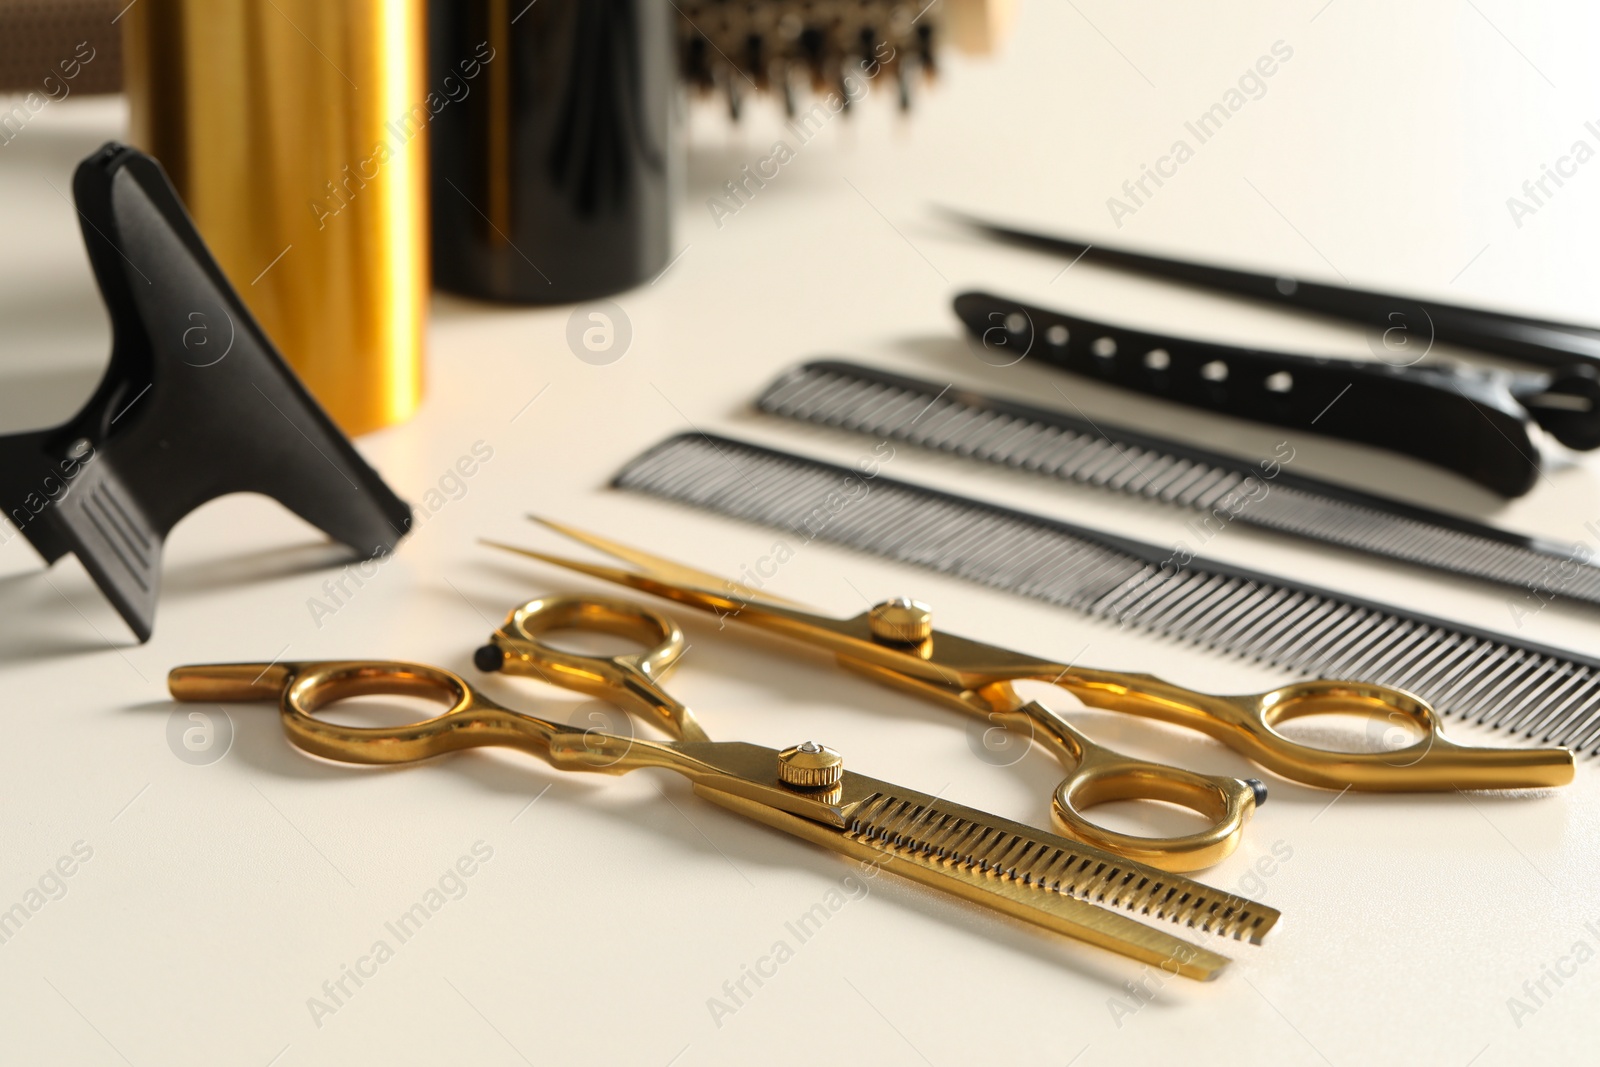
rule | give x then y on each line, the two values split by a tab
1053	883
895	642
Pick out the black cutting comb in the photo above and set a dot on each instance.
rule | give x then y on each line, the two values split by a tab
1531	691
195	404
1218	487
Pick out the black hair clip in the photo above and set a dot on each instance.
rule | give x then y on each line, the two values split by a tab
1475	421
195	404
1558	345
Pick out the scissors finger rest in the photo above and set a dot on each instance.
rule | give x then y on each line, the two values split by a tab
1099	775
1249	724
469	719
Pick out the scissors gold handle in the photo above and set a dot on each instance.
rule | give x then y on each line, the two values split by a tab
471	718
519	647
897	643
1051	882
982	675
1099	775
1249	724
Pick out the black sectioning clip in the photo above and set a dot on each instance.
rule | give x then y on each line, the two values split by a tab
1475	421
196	403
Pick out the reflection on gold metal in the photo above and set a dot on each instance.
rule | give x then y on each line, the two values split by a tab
901	621
809	765
296	132
977	678
1048	881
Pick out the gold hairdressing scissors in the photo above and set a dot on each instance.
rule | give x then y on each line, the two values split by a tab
1053	883
895	642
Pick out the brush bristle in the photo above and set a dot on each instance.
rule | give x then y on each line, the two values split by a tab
788	47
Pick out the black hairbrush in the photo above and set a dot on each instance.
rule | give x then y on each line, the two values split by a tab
787	47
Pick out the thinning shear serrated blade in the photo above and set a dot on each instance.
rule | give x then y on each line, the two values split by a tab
1022	893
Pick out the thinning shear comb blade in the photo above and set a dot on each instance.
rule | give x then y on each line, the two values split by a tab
1026	895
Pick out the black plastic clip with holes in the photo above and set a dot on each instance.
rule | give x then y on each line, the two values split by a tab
1474	421
1394	318
196	403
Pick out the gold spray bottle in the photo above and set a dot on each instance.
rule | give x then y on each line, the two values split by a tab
297	133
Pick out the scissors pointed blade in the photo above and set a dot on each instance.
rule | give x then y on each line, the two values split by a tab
632	579
656	566
685	585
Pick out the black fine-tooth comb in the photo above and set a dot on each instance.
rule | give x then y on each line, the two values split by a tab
196	403
1220	489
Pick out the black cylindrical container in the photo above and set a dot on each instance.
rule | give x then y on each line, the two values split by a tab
549	145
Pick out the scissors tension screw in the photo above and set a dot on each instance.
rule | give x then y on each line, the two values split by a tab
809	765
901	620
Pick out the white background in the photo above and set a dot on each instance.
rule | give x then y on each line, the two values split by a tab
219	898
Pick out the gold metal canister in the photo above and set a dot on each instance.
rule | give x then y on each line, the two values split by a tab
296	132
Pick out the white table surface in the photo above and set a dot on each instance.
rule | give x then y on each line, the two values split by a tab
219	898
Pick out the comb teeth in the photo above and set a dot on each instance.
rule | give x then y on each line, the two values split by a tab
115	541
1544	695
916	829
864	400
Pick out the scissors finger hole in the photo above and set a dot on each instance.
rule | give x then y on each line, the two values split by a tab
1347	718
593	626
385	710
591	642
1143	817
410	691
1354	732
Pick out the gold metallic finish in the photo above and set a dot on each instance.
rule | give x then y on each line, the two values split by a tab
976	678
809	765
901	620
296	132
1050	882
